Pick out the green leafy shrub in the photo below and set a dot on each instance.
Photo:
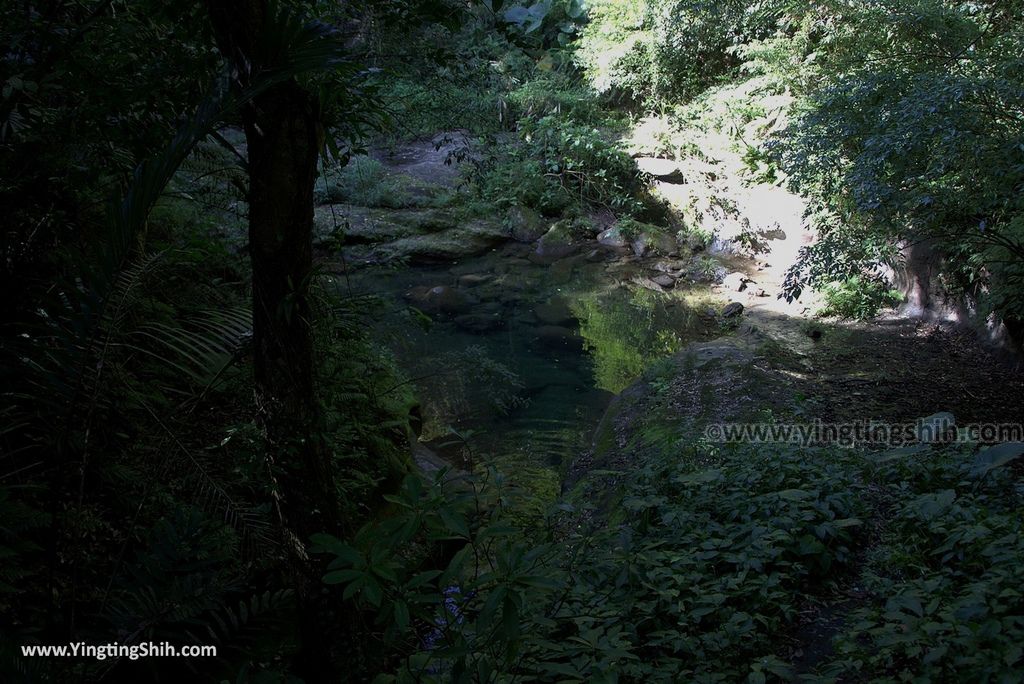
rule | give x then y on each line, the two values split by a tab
709	556
583	162
908	129
556	90
858	297
363	181
506	178
440	100
560	163
945	580
705	563
547	23
656	53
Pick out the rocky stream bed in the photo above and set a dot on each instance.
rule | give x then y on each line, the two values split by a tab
519	330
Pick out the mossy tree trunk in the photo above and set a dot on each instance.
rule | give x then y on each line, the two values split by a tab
284	132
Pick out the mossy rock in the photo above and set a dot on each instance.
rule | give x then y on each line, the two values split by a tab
468	239
525	224
614	237
365	225
560	241
654	241
645	239
673	404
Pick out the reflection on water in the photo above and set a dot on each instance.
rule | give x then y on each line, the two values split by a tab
625	329
521	359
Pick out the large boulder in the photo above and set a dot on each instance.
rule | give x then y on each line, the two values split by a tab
672	267
664	281
613	237
467	239
652	241
525	224
557	243
732	310
706	384
736	282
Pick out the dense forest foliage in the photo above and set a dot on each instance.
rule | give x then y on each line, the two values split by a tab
203	440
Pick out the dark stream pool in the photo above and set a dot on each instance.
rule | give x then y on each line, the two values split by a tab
515	361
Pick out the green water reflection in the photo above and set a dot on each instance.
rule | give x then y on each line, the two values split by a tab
526	393
626	329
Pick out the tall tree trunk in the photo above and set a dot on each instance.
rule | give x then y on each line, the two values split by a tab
284	134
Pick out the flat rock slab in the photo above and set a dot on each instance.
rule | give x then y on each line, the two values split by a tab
665	170
732	310
666	281
369	225
465	240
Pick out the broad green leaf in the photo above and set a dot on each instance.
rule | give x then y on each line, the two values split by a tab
929	506
401	615
455	522
510	617
795	494
422	578
325	543
996	457
340	576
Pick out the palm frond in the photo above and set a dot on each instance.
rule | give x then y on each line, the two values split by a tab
290	45
201	348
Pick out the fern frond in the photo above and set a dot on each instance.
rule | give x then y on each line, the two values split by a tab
127	286
201	348
210	496
230	624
